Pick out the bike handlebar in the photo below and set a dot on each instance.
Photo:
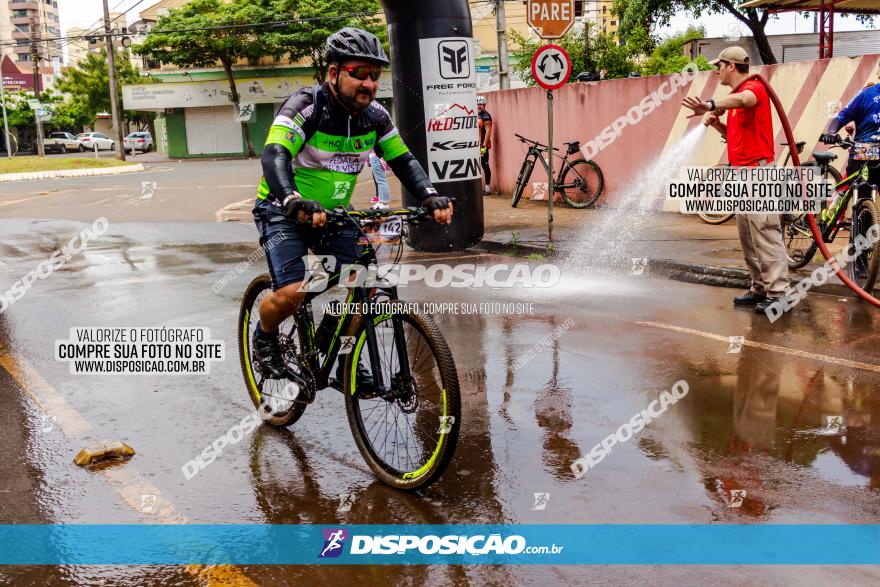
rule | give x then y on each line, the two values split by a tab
413	214
535	144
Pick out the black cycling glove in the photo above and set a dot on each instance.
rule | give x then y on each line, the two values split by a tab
308	207
830	138
432	203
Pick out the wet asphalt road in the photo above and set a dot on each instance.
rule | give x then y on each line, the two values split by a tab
753	420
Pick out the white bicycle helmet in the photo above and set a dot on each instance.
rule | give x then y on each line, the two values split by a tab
481	100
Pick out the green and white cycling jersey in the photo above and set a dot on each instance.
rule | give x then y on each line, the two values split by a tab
315	147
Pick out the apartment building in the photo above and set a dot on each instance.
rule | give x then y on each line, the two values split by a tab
18	21
78	48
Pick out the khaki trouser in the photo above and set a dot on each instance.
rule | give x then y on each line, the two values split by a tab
761	238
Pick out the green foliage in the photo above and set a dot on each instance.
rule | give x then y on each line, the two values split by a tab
604	53
87	91
307	39
669	57
205	48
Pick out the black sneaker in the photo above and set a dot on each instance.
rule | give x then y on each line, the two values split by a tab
761	307
363	382
267	356
752	298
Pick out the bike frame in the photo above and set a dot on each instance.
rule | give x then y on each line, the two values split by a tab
558	186
845	190
364	296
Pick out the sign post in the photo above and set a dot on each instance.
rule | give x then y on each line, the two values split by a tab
551	68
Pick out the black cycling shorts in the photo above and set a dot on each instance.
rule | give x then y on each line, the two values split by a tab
287	242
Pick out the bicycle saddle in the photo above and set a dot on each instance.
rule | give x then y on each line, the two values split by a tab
824	157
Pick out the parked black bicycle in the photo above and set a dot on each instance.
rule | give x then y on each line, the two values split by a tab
400	384
579	181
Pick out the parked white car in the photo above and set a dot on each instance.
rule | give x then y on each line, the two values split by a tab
90	139
62	142
139	141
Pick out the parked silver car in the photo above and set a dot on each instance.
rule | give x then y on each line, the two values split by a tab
139	141
62	142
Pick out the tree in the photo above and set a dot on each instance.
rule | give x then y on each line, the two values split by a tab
604	53
668	56
173	39
86	90
647	13
308	37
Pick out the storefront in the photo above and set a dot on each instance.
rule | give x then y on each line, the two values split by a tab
196	117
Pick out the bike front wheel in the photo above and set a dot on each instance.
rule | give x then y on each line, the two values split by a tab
273	398
525	173
584	182
406	430
863	270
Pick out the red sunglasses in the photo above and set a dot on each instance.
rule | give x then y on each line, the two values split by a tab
362	72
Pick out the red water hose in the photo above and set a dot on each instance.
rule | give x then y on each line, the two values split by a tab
814	228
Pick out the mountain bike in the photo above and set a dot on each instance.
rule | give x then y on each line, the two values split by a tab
579	181
801	247
406	423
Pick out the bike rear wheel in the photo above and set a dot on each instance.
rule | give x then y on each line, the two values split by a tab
273	398
709	218
863	270
525	172
800	246
586	183
408	431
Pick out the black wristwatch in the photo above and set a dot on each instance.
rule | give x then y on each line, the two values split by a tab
712	105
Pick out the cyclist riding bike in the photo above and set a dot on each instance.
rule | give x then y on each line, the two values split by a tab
864	111
317	145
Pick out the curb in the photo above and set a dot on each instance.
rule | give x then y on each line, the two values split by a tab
62	173
678	270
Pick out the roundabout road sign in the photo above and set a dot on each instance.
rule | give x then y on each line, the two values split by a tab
551	67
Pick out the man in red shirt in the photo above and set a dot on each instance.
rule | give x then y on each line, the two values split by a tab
749	133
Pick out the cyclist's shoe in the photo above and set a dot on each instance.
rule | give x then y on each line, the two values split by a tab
752	298
761	308
363	382
377	205
267	356
487	190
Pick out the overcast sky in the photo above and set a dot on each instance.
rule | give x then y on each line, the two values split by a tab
84	13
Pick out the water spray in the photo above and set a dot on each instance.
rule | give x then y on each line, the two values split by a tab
814	228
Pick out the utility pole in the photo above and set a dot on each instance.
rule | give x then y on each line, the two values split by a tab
35	60
503	65
115	110
5	120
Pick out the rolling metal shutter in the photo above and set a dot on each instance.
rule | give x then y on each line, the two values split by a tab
212	129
